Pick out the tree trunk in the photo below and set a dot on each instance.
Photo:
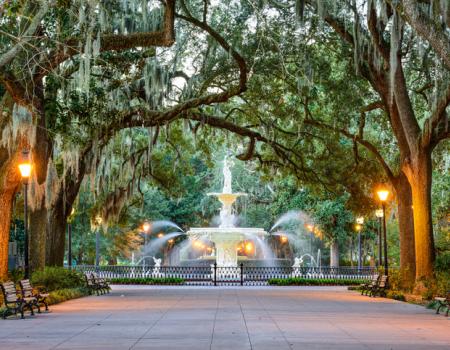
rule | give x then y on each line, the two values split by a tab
6	200
56	236
334	254
58	215
406	230
419	173
36	238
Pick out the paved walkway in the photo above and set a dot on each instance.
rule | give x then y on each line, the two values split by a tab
196	318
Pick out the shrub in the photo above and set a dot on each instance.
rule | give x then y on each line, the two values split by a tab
16	275
394	294
54	278
300	281
58	296
149	280
443	262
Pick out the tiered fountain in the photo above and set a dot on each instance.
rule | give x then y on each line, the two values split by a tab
227	236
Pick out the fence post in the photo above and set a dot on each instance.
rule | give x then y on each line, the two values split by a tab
242	274
215	274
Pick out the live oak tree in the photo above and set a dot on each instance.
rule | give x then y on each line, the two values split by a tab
79	59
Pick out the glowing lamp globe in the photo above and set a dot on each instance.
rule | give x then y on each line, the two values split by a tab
146	226
379	213
25	170
383	195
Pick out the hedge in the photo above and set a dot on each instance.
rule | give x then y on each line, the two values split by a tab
300	281
148	280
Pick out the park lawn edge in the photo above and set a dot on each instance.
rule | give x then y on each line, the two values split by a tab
62	295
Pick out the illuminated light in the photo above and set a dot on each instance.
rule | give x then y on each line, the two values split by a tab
310	227
25	165
360	220
249	247
379	213
283	239
358	227
160	235
209	249
146	226
383	194
170	241
25	170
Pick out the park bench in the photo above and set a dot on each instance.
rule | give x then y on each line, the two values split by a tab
442	303
13	302
28	292
101	282
96	284
91	285
366	287
381	287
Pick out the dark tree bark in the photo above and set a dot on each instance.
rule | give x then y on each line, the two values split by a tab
420	176
406	230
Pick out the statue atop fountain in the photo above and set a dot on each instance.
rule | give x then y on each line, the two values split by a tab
227	176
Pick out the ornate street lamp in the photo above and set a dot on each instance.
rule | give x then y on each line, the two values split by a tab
98	222
383	195
379	215
310	228
358	227
25	171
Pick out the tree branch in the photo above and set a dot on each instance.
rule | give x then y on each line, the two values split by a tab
117	42
368	145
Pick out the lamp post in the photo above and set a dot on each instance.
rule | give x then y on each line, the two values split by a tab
25	172
311	230
383	194
98	222
358	227
69	238
145	230
379	215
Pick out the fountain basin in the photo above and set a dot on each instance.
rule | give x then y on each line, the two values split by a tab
226	240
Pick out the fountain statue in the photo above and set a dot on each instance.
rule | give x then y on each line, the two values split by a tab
227	236
296	268
157	268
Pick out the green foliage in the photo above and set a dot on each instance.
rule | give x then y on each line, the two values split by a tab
300	281
60	295
16	275
443	261
56	278
149	280
396	295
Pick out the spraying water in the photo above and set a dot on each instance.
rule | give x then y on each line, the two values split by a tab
156	244
160	224
292	216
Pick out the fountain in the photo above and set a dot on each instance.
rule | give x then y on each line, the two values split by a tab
227	236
